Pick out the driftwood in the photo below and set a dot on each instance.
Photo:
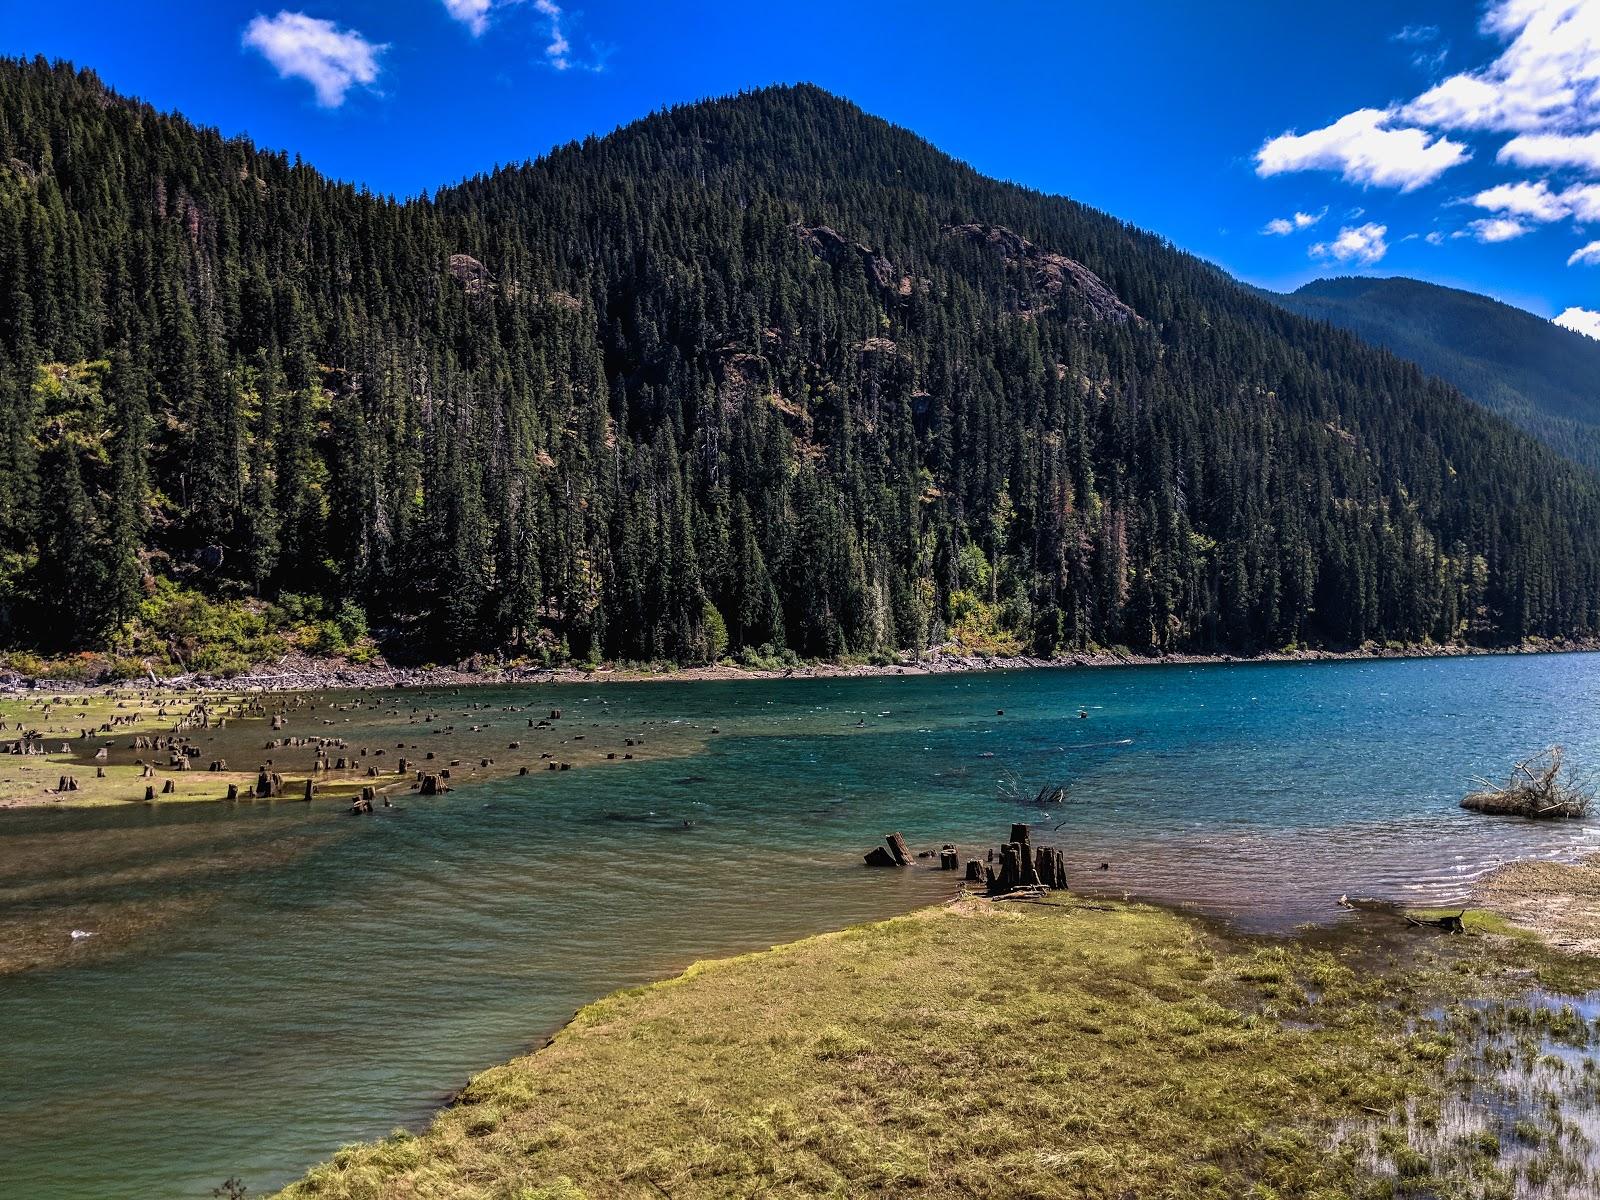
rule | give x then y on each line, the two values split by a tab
1540	786
1449	923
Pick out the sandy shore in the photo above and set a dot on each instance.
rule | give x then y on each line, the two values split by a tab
301	673
1558	901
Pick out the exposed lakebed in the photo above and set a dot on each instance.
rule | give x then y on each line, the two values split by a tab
267	981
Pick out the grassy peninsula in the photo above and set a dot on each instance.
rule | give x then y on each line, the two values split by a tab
1072	1047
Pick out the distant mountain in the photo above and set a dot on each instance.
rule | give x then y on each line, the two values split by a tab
752	376
1542	377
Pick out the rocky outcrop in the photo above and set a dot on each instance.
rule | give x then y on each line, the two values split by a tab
1045	276
839	251
474	278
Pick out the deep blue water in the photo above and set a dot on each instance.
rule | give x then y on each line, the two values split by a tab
269	981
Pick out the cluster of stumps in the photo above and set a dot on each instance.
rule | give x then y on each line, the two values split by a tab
1022	867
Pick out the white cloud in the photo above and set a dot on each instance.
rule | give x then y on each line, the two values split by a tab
1554	150
1547	76
1436	238
1583	202
1360	244
1280	226
1497	229
1364	150
330	59
1588	255
1537	202
474	14
1580	320
1523	199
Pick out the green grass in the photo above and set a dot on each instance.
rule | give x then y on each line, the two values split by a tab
1063	1049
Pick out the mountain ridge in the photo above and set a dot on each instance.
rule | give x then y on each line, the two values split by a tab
1542	377
609	403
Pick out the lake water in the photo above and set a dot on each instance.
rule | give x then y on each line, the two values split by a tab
270	980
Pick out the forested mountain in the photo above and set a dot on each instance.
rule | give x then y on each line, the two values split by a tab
1542	377
761	372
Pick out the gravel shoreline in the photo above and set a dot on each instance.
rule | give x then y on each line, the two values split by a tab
302	673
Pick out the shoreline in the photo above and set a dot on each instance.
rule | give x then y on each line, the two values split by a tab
299	673
1257	1009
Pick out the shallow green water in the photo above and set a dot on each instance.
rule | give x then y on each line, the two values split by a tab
268	981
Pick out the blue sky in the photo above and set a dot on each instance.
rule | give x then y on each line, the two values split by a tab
1453	141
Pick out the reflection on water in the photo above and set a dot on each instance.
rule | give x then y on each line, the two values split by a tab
267	981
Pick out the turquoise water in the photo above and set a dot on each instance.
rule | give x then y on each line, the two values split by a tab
268	981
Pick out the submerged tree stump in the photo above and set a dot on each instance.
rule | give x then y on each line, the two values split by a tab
892	853
1023	866
897	847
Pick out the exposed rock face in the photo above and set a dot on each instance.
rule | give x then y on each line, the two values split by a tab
838	251
1046	275
471	274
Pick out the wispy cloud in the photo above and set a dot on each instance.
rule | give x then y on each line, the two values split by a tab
330	59
1280	226
1588	256
1362	245
558	51
1365	149
1416	35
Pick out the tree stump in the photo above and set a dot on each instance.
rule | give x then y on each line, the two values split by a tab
897	848
974	871
233	791
168	788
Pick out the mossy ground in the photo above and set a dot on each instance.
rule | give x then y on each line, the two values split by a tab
1068	1048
